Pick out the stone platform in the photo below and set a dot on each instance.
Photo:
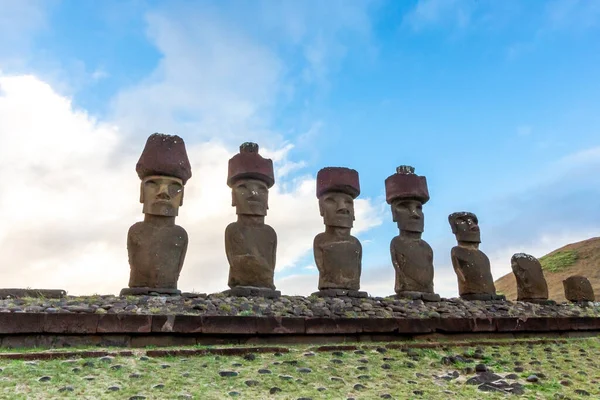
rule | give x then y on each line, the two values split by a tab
212	319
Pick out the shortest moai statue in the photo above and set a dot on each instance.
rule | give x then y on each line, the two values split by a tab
472	266
412	257
531	284
337	253
156	246
250	244
578	289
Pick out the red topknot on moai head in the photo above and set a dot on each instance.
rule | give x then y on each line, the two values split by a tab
338	179
164	155
248	164
406	184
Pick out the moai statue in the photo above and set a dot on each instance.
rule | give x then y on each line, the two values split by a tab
471	265
578	289
157	246
250	244
337	253
531	284
412	257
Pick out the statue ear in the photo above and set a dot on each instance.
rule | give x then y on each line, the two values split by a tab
321	211
142	192
394	219
232	198
182	193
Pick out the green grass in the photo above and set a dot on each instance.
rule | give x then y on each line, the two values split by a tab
559	261
198	376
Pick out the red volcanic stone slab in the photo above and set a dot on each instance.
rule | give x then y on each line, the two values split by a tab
63	354
325	326
451	325
124	323
21	323
533	324
281	325
239	325
417	325
379	325
71	323
584	323
177	323
484	325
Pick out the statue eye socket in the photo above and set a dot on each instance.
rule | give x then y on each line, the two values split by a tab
150	183
175	188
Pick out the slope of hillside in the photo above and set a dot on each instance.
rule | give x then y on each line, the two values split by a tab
581	258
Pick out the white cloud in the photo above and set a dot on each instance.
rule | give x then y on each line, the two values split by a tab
73	193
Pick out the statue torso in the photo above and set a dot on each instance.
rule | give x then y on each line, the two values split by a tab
251	253
473	269
414	269
155	255
339	262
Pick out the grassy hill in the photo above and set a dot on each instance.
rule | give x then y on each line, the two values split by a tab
581	258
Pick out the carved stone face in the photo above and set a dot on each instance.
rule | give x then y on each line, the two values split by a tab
337	209
250	197
466	229
408	214
161	195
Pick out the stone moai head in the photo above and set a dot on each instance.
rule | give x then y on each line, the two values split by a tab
250	177
164	169
337	187
531	283
465	226
406	192
578	288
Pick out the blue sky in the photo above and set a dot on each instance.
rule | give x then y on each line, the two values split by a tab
497	103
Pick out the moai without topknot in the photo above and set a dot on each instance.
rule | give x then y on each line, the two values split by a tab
156	246
531	284
412	257
338	254
472	266
250	244
578	289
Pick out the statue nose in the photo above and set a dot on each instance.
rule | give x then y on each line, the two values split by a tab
163	193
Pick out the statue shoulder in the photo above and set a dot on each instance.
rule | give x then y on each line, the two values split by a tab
319	238
137	228
356	241
180	231
270	229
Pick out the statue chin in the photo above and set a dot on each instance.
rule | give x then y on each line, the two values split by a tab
161	209
341	221
411	226
473	237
